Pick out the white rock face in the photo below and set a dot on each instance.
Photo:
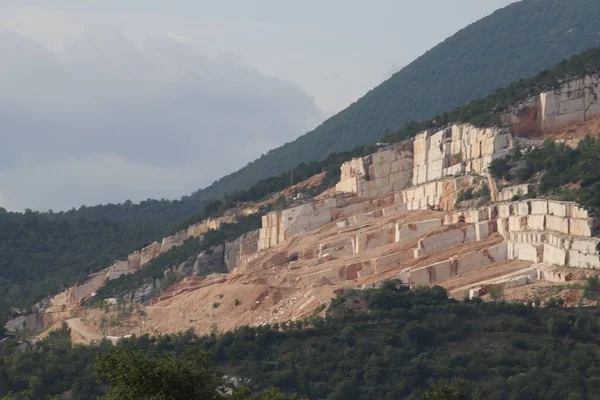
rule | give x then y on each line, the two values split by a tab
550	232
277	226
461	148
573	102
380	173
429	157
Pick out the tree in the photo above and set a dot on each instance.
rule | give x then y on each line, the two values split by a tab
134	375
457	392
496	292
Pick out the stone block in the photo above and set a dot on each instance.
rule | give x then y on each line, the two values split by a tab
504	210
558	209
523	208
558	224
392	261
555	255
581	227
526	251
587	245
537	222
580	260
484	229
380	170
579	212
412	231
342	224
434	170
479	259
420	277
447	239
365	272
515	223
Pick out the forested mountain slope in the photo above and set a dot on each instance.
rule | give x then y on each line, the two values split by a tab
513	43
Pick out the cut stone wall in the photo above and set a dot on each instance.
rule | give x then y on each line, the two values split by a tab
373	239
508	193
454	266
440	195
516	279
431	156
240	250
392	261
574	101
450	238
548	231
278	226
412	231
459	149
386	171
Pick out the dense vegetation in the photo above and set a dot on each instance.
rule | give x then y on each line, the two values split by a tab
41	252
387	343
562	172
513	43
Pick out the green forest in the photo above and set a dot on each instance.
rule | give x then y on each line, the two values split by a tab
386	343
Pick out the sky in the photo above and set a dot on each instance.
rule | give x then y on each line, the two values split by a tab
103	101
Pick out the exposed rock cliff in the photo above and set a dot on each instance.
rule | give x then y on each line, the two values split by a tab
574	101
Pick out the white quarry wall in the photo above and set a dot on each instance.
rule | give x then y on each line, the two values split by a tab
574	101
515	279
373	239
439	271
429	157
453	237
412	231
277	226
461	148
438	195
552	232
386	171
392	261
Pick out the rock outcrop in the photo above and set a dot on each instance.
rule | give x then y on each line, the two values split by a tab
457	150
380	173
241	250
431	156
573	102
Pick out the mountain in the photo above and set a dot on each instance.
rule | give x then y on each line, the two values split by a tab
512	43
515	42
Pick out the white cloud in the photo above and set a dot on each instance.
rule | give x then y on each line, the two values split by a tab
104	120
93	179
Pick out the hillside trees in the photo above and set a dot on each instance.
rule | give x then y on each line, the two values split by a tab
569	174
386	343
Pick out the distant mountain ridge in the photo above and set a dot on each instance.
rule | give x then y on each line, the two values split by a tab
513	43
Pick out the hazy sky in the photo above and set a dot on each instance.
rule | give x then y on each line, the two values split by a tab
102	101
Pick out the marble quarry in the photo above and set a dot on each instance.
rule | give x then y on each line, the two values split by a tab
573	102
